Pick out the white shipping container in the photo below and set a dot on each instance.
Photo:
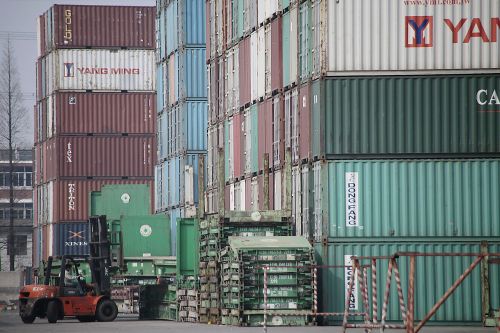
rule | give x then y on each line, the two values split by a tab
401	35
254	60
108	70
261	62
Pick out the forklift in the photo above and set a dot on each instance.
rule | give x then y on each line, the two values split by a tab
69	294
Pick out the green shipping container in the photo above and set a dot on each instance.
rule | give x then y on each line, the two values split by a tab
188	256
407	198
434	275
115	201
145	236
406	115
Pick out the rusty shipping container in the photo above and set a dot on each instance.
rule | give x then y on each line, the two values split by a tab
68	200
98	156
75	26
245	71
96	113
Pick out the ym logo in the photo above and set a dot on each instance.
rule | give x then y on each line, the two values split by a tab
69	69
419	31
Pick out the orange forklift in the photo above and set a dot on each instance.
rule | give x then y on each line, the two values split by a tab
70	295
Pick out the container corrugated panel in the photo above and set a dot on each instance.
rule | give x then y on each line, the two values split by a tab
304	121
408	115
175	214
305	40
99	113
266	10
244	58
171	21
173	185
187	248
71	238
193	31
434	275
161	85
237	19
278	136
250	16
189	196
96	156
254	65
73	26
158	189
290	51
401	36
261	62
110	70
265	133
162	136
239	161
161	39
276	54
162	196
71	197
410	198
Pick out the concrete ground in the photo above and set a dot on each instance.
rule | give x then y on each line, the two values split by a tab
11	323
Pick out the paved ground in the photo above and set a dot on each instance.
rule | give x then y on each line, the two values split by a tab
10	323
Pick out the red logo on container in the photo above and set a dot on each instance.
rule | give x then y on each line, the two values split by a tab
419	31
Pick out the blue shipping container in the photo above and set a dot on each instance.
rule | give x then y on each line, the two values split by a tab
180	24
71	238
182	129
174	214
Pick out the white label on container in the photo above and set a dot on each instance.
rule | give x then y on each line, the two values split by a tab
69	153
71	196
348	276
351	199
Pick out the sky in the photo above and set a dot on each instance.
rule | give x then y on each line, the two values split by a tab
18	20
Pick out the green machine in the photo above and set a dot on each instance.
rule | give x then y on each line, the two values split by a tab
140	242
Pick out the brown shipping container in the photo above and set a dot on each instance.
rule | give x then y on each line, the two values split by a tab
71	197
207	29
42	36
82	113
265	134
76	26
96	156
238	144
260	181
244	69
214	91
222	90
278	132
276	55
304	121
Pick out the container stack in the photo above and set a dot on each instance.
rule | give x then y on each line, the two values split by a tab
95	114
288	284
181	104
393	128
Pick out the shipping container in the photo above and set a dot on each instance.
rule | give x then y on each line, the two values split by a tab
265	133
408	198
290	47
97	113
275	54
304	122
175	214
68	200
216	137
187	250
108	70
98	156
415	36
185	78
406	115
433	277
71	238
292	122
183	129
74	26
145	236
244	60
232	80
175	174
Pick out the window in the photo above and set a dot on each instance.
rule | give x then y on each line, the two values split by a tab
22	176
21	211
20	245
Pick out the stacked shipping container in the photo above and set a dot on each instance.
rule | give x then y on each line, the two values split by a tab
393	127
181	104
95	115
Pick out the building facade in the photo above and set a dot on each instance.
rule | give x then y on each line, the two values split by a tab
23	208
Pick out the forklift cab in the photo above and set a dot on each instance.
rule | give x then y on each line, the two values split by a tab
71	281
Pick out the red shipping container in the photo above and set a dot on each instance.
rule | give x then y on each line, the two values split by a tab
244	71
265	137
276	55
98	156
207	28
238	144
75	26
71	197
304	121
82	113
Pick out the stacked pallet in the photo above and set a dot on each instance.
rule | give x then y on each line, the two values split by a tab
158	301
288	284
188	299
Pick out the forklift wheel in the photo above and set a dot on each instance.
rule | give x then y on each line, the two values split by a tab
106	310
52	311
29	319
85	319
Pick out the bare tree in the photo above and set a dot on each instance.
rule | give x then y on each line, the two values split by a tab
12	122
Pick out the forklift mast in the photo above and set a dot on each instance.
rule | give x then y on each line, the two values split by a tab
100	254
